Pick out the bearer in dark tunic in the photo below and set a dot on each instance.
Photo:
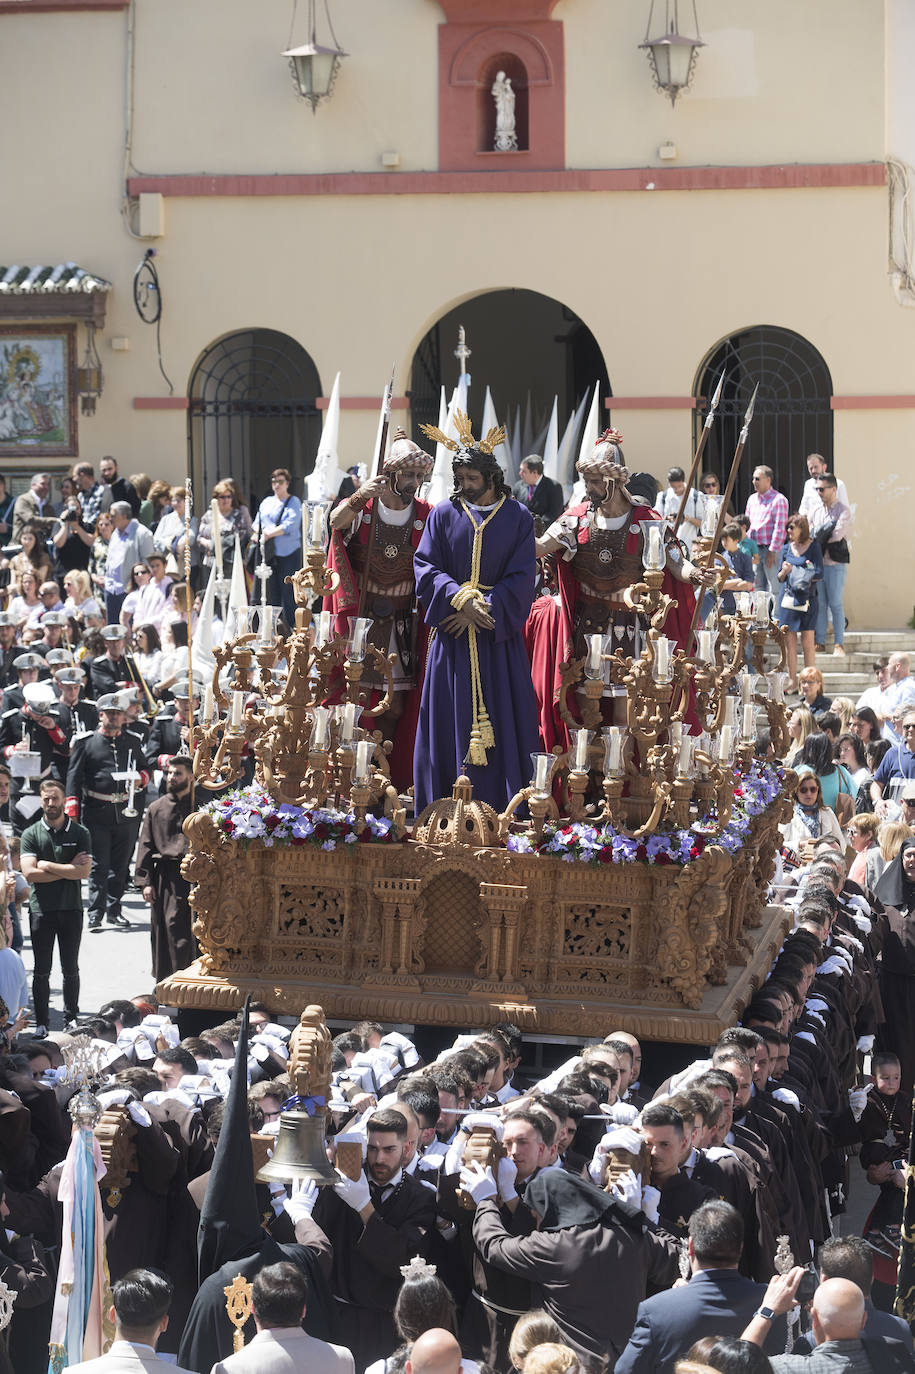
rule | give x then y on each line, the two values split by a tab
162	846
376	1224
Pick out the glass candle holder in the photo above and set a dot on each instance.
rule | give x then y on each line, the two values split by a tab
594	665
542	765
364	751
320	730
662	662
710	517
653	555
614	740
582	739
361	626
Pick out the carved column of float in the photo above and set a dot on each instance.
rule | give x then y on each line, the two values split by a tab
504	903
694	904
398	901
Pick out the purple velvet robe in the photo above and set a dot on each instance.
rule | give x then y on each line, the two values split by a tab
508	565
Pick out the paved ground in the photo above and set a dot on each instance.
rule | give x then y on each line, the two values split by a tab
114	963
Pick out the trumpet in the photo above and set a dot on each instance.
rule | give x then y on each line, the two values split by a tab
130	810
152	706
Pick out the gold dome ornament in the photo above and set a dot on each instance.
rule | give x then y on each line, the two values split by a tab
458	819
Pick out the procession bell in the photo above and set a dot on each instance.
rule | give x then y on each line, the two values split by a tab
299	1152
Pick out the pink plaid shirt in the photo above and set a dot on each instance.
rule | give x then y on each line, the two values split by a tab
767	513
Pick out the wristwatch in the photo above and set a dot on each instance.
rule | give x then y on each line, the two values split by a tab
766	1313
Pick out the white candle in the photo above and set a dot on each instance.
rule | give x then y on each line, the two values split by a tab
675	733
744	603
595	650
613	749
208	704
710	518
349	722
321	721
746	681
725	743
317	526
364	750
762	607
236	710
777	688
542	765
705	645
217	536
731	706
749	722
322	629
655	548
581	750
304	530
685	761
661	655
704	746
360	634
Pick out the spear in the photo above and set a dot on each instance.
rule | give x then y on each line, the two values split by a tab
703	440
188	507
377	465
722	513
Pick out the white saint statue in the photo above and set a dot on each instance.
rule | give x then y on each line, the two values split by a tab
504	96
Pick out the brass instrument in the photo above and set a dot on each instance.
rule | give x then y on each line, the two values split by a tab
153	707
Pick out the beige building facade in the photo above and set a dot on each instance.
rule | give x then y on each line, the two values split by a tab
752	219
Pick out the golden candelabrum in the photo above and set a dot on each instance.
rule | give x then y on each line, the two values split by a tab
653	771
298	707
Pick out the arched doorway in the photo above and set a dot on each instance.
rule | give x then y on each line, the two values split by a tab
526	347
792	416
253	407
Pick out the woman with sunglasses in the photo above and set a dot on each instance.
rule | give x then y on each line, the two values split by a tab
811	820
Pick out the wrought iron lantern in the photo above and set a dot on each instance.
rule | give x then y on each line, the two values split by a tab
672	54
89	374
314	66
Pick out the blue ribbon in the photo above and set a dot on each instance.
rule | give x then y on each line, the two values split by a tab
303	1104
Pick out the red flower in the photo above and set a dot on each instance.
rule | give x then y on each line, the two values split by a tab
322	831
698	846
297	841
566	830
662	858
229	825
641	853
738	791
271	822
366	836
605	856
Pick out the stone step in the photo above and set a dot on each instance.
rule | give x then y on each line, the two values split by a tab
877	641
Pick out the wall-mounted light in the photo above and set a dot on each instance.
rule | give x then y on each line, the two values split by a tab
314	66
89	377
672	55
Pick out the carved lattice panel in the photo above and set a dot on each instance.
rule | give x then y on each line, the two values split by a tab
597	932
453	915
309	913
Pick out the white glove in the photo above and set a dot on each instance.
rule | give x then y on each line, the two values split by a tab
620	1113
805	1035
862	904
789	1098
865	1043
506	1173
487	1119
817	1017
855	944
651	1200
816	1004
354	1191
302	1202
478	1182
833	965
455	1155
139	1114
627	1190
620	1138
857	1100
863	923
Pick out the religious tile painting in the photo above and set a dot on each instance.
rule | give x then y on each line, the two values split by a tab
37	392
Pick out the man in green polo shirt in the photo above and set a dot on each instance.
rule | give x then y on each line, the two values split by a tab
56	857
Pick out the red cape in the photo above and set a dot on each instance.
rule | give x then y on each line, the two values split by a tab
548	633
343	605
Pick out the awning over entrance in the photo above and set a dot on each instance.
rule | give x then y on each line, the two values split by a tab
64	291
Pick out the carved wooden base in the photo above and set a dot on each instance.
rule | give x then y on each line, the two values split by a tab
448	935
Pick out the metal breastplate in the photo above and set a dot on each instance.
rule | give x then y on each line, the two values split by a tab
392	557
602	565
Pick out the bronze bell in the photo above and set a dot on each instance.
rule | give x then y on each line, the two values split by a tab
299	1152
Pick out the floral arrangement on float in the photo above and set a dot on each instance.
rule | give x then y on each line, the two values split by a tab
756	789
249	813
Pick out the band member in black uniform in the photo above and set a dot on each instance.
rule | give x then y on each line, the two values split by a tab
27	666
105	800
110	672
168	734
33	728
77	716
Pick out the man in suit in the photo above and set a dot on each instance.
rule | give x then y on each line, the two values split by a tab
281	1346
141	1300
543	497
717	1301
